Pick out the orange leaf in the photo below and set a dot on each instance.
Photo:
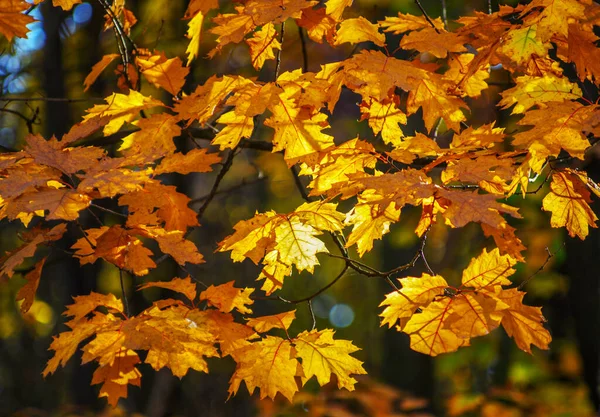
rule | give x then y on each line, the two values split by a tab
225	297
162	72
97	69
184	286
196	160
27	291
13	22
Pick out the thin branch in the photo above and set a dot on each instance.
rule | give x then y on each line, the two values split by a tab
445	14
490	7
125	302
244	183
303	47
116	213
51	99
418	2
321	291
278	57
541	268
312	314
29	122
215	187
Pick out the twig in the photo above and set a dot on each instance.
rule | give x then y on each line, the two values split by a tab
489	6
418	2
444	14
215	187
541	268
52	99
116	213
278	57
312	314
125	302
321	291
29	122
244	183
303	47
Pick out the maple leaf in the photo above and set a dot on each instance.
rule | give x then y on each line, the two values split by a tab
277	321
64	204
434	41
318	24
13	22
583	53
297	131
415	293
384	117
117	246
172	207
27	291
262	45
33	239
523	323
193	33
322	356
555	16
568	201
120	108
269	365
172	243
521	44
359	30
98	69
283	240
335	8
162	72
153	141
67	160
406	22
427	333
184	286
225	297
196	160
115	376
531	91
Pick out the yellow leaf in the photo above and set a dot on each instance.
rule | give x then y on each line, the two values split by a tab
427	332
521	44
523	323
162	72
531	91
262	45
237	127
225	297
153	141
173	243
488	269
436	102
568	201
268	365
415	293
474	315
384	117
120	109
359	30
277	321
405	22
193	33
335	8
322	356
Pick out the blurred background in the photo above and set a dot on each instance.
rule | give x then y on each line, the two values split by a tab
490	378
